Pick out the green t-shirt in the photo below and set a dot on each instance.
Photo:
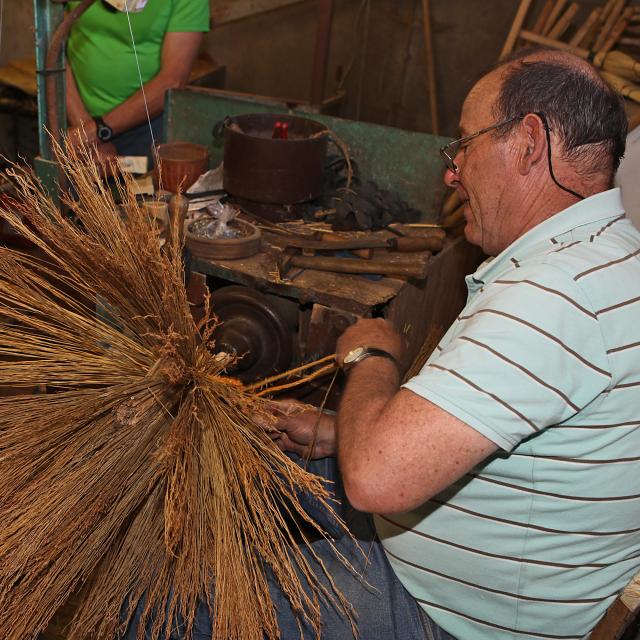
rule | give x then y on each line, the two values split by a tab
101	53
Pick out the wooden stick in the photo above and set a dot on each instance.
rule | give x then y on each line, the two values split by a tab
542	18
553	44
518	21
616	32
586	27
431	74
629	42
563	24
632	31
606	10
612	18
553	16
451	203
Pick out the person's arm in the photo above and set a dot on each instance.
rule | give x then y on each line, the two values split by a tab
179	51
77	113
396	449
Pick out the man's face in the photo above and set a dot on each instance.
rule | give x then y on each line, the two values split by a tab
484	173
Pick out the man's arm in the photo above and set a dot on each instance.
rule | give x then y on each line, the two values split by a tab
396	449
179	51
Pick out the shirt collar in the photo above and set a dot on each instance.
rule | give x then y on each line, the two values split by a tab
594	212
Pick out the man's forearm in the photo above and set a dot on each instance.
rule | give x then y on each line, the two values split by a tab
132	112
371	386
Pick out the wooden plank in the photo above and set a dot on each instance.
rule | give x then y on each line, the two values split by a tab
353	294
225	11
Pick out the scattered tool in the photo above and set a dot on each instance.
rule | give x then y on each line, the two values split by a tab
291	258
404	244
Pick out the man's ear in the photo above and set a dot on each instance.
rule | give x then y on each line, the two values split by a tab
532	145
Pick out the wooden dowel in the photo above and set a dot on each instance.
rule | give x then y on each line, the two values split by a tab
451	203
616	32
431	71
629	42
553	16
632	31
542	18
586	27
612	18
518	21
453	218
563	24
606	10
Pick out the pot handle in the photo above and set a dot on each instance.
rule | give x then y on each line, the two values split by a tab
219	127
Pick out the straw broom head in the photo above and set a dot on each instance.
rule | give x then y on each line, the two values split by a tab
141	478
619	64
624	87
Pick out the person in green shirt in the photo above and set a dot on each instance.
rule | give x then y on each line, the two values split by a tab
105	101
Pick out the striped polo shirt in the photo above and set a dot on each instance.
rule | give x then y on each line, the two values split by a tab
544	361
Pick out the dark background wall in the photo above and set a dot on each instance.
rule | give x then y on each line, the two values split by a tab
376	53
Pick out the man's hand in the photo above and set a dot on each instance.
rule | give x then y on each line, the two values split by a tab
376	333
294	429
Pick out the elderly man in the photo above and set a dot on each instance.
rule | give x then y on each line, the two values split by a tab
506	474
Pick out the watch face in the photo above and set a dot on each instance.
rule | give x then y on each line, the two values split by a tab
354	354
103	132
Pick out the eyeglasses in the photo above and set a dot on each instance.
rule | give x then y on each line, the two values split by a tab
451	150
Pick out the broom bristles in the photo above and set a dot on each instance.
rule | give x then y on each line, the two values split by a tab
142	477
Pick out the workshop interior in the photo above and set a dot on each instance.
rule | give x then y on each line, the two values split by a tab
298	170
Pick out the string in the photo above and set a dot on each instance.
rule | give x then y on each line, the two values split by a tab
144	95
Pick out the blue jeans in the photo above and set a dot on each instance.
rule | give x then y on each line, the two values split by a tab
385	610
137	141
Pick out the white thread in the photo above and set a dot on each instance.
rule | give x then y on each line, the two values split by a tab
144	96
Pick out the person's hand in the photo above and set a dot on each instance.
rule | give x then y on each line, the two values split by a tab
293	429
377	333
83	135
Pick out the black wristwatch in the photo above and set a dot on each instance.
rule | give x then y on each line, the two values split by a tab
360	353
104	132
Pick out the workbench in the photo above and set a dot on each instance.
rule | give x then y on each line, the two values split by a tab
403	161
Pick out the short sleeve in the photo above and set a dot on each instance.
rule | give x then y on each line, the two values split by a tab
189	15
525	354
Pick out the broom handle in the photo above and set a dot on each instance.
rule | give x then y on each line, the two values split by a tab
563	24
586	27
553	16
542	18
553	44
518	21
612	18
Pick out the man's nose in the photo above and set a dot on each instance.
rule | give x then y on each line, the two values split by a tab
451	178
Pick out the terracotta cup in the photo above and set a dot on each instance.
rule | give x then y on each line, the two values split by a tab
180	165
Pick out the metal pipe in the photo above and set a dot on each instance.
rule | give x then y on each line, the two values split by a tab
58	39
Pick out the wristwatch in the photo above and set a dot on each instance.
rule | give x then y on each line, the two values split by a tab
104	132
360	353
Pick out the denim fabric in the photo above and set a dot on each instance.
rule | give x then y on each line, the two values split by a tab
137	141
385	611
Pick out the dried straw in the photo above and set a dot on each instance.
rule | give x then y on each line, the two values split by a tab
141	477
